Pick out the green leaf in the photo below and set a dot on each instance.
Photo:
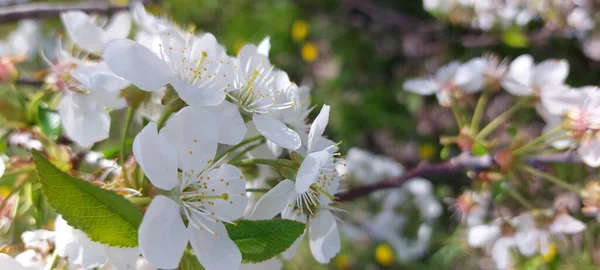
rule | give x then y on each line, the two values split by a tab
515	38
260	240
479	149
102	214
49	121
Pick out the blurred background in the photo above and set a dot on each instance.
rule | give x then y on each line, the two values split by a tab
355	56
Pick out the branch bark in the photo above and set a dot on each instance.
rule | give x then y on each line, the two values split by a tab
458	164
48	10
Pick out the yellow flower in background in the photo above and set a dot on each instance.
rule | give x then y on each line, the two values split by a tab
299	30
237	46
4	191
342	262
427	151
120	2
550	254
384	255
310	52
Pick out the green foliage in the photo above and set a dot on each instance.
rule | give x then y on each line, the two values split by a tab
260	240
103	215
49	122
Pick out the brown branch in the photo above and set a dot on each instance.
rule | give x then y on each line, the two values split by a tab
48	10
30	82
458	164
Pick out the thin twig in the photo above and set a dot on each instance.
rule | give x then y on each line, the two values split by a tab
455	165
49	10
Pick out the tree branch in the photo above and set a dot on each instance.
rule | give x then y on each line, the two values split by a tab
47	10
460	163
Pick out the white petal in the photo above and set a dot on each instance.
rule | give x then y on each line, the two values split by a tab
195	95
482	235
145	21
264	46
232	127
446	73
137	64
318	127
194	133
324	236
565	223
105	86
518	78
421	86
291	251
156	156
274	201
559	98
83	31
551	72
2	167
501	252
227	179
84	120
8	263
310	169
589	151
122	258
119	26
469	76
528	241
277	132
162	234
214	251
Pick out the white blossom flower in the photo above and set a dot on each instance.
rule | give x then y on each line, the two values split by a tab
368	168
449	79
24	40
499	244
259	90
90	34
544	80
535	234
204	195
38	240
197	67
312	193
87	254
9	263
580	122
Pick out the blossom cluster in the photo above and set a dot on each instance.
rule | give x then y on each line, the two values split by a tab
570	114
574	17
204	107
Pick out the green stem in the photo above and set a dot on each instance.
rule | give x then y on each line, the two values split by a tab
513	193
479	109
246	150
255	161
456	114
550	178
501	119
140	177
140	201
53	260
21	171
259	190
128	120
238	146
539	140
164	117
